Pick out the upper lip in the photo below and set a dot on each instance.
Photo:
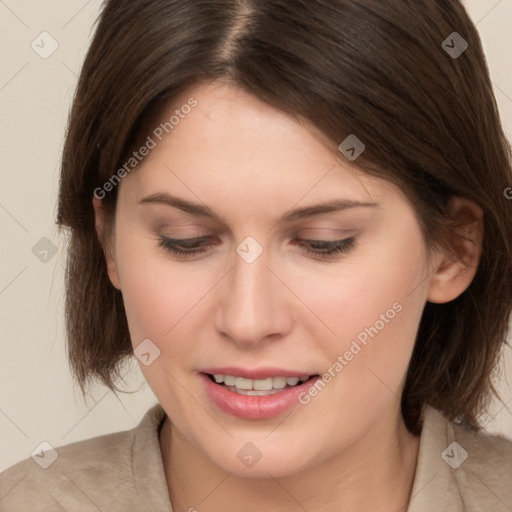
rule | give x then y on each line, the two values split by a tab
255	373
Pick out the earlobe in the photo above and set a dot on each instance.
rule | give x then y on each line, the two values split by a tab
456	266
106	242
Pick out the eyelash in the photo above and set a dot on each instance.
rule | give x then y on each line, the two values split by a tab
330	248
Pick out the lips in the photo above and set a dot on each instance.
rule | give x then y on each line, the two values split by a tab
255	403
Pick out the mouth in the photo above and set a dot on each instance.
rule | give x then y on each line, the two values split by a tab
258	387
255	393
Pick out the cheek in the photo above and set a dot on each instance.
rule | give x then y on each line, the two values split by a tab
162	305
151	300
372	306
150	304
162	298
354	293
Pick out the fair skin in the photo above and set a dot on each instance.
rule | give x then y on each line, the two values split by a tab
348	448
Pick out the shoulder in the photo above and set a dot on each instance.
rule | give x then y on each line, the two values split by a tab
461	469
53	478
85	475
486	472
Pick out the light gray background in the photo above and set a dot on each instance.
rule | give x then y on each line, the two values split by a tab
38	400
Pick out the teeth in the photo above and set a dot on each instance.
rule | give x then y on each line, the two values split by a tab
229	380
279	382
263	384
241	383
258	387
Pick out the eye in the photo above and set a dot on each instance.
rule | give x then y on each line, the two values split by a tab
185	247
328	248
189	247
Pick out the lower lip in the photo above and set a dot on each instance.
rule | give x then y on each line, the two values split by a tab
255	407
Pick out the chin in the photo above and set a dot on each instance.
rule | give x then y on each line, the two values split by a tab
249	461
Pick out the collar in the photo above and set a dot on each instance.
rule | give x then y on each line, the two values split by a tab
434	486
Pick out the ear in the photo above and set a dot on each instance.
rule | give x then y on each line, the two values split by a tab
456	266
106	241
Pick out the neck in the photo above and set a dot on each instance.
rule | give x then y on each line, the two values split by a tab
374	473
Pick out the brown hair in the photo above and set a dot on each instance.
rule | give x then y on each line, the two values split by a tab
379	70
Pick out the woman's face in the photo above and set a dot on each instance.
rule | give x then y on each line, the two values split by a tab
261	301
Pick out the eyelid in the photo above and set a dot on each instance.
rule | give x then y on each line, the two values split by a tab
331	233
326	250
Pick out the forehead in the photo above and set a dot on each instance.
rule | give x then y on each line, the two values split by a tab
232	145
230	125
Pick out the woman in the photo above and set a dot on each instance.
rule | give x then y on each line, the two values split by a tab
293	213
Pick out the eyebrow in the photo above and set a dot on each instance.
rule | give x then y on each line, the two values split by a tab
200	210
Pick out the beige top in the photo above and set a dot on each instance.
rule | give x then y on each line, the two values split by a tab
458	470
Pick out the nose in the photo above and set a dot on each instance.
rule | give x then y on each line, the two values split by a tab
253	307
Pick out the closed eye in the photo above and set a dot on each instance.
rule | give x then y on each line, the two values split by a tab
328	248
189	247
